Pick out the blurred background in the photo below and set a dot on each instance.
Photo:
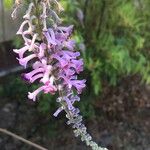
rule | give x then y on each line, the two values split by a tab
114	39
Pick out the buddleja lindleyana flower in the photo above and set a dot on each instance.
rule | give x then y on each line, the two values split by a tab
50	51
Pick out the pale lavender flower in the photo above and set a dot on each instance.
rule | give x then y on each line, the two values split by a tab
25	60
29	76
42	49
77	65
50	88
50	37
70	45
21	51
34	94
46	75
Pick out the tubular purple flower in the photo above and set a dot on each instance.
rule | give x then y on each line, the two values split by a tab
50	39
69	55
69	104
60	37
79	85
77	65
67	71
46	75
73	82
42	49
52	34
30	75
37	65
67	30
21	51
25	60
34	94
50	87
62	61
58	111
32	42
36	77
74	98
20	31
70	44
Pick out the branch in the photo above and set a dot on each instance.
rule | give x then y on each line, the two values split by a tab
22	139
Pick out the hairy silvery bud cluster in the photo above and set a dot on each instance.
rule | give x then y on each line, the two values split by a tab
50	50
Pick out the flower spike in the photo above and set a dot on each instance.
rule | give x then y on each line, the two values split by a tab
55	62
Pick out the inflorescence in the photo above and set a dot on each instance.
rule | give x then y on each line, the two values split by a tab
50	50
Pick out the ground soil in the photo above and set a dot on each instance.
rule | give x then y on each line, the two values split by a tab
122	121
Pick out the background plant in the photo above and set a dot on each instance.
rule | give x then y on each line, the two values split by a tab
116	36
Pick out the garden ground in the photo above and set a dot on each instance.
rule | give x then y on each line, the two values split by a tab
122	122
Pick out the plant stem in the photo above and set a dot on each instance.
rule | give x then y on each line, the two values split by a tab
22	139
37	13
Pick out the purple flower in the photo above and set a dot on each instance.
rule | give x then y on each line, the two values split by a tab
34	94
21	51
32	45
66	62
74	98
37	65
64	57
58	111
42	49
56	60
69	104
60	37
47	88
63	62
34	75
50	36
50	88
73	82
25	60
70	44
79	85
70	98
67	71
77	65
46	74
68	55
66	30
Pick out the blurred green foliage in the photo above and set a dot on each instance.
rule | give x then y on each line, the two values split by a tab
116	36
8	3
